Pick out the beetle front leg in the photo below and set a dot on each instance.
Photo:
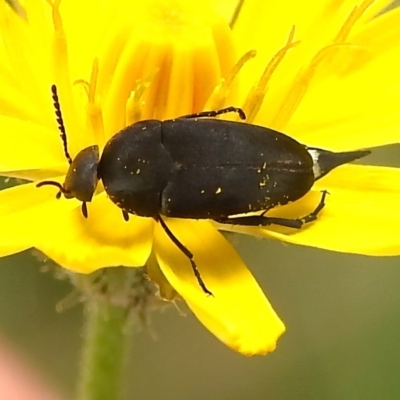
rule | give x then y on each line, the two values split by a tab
125	215
84	209
261	220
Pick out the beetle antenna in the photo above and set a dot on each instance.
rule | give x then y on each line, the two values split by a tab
53	183
60	121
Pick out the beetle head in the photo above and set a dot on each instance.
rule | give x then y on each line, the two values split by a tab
82	178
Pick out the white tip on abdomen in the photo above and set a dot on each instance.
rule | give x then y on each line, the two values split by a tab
314	153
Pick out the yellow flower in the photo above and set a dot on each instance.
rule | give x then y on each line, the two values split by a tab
326	75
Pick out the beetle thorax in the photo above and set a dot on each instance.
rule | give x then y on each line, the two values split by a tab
135	168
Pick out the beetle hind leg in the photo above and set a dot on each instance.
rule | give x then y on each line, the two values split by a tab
187	253
208	114
261	220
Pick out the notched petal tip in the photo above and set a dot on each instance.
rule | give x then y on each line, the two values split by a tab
238	312
243	336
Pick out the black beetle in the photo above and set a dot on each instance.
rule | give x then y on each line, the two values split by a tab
199	167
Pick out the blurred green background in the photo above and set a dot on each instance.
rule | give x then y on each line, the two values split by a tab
342	342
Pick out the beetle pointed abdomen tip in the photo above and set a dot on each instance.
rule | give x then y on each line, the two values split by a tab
325	161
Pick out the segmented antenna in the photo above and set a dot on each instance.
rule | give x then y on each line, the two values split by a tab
60	122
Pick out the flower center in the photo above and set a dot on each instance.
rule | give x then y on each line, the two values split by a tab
162	61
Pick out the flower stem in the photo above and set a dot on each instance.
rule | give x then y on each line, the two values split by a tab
115	299
104	344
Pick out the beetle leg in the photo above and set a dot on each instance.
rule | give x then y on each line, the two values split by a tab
261	220
84	209
187	253
205	114
125	215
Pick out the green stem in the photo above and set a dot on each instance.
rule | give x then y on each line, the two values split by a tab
104	344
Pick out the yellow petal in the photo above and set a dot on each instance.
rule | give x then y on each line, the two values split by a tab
104	239
339	50
27	55
29	150
84	30
239	313
226	8
356	114
23	211
265	26
154	273
361	213
14	102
